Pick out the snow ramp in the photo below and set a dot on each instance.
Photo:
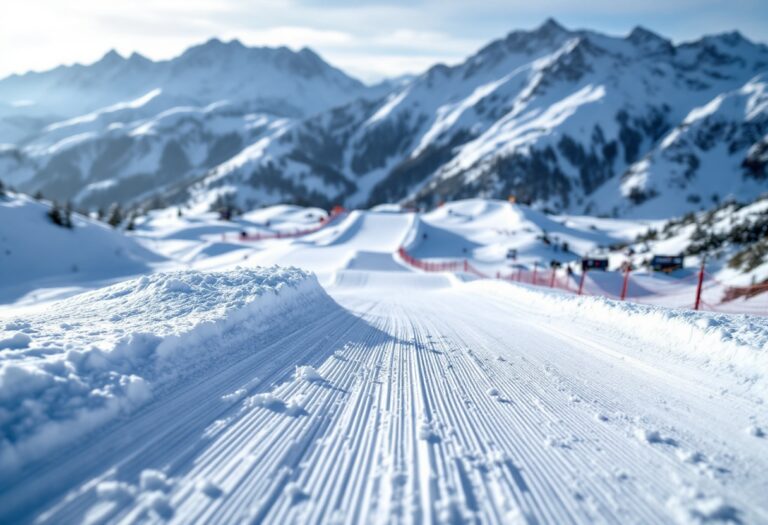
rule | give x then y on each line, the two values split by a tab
363	240
369	231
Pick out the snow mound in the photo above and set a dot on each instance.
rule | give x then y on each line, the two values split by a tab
60	379
35	253
15	341
308	374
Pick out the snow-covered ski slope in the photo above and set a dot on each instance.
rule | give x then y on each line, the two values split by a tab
36	255
385	396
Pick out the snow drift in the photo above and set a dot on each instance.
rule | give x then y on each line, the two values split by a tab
35	253
104	353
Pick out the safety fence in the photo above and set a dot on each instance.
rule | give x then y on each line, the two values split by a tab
694	289
245	236
443	266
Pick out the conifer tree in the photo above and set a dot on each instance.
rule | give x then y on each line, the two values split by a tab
56	214
67	215
115	215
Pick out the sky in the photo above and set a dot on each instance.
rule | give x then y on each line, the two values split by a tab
370	40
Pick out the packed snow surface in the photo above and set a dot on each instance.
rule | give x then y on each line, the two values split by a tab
253	394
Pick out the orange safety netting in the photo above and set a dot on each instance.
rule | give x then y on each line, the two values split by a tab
679	290
263	236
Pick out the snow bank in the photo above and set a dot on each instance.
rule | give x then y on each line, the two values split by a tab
733	345
104	353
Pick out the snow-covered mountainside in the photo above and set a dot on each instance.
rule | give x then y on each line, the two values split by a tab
572	120
549	115
716	153
123	128
258	79
94	161
15	166
36	254
732	236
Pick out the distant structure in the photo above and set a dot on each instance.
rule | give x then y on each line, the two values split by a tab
589	263
666	263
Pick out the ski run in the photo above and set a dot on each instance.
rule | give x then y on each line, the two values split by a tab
219	387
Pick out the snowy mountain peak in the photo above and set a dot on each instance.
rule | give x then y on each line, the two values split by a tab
111	58
724	49
550	27
137	57
649	41
217	43
507	53
731	39
257	79
235	60
214	47
550	31
311	60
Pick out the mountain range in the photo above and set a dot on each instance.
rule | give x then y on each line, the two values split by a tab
570	120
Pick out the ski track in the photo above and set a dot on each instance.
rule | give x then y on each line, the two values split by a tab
424	414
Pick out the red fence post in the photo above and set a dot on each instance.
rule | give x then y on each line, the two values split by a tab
552	278
625	285
697	304
533	277
581	281
520	274
466	266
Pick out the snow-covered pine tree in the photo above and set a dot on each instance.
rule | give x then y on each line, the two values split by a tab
67	215
58	216
115	215
226	207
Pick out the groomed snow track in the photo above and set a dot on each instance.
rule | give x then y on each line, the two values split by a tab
424	414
